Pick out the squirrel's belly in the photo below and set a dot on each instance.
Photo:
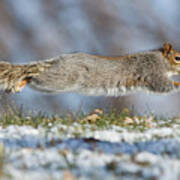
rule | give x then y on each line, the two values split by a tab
121	91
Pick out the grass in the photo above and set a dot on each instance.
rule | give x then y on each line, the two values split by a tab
81	123
96	119
2	156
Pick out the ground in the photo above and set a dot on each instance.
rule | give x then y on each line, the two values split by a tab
94	146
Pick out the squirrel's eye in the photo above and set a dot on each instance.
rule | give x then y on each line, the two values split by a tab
177	58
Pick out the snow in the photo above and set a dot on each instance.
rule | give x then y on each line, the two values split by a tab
108	153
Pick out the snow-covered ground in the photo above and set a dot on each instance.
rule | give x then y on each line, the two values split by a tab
72	152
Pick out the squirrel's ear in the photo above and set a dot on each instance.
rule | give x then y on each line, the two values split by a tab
167	48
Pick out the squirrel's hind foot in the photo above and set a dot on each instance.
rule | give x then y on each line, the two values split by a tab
18	87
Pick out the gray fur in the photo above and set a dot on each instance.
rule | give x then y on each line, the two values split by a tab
96	75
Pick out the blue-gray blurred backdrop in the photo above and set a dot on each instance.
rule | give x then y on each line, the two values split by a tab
40	29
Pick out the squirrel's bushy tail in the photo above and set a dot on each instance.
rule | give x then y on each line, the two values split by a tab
14	77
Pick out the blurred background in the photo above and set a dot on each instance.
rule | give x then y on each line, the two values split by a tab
41	29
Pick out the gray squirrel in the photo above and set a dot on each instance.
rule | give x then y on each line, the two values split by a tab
96	75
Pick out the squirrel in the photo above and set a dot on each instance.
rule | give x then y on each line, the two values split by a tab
96	75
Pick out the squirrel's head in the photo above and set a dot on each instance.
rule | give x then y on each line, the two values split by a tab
172	56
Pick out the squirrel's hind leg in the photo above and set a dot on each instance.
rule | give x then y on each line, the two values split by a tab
19	85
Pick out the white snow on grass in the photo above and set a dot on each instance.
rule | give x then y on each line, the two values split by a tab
61	152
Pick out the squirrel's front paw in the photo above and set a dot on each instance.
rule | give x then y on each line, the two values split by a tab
176	83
